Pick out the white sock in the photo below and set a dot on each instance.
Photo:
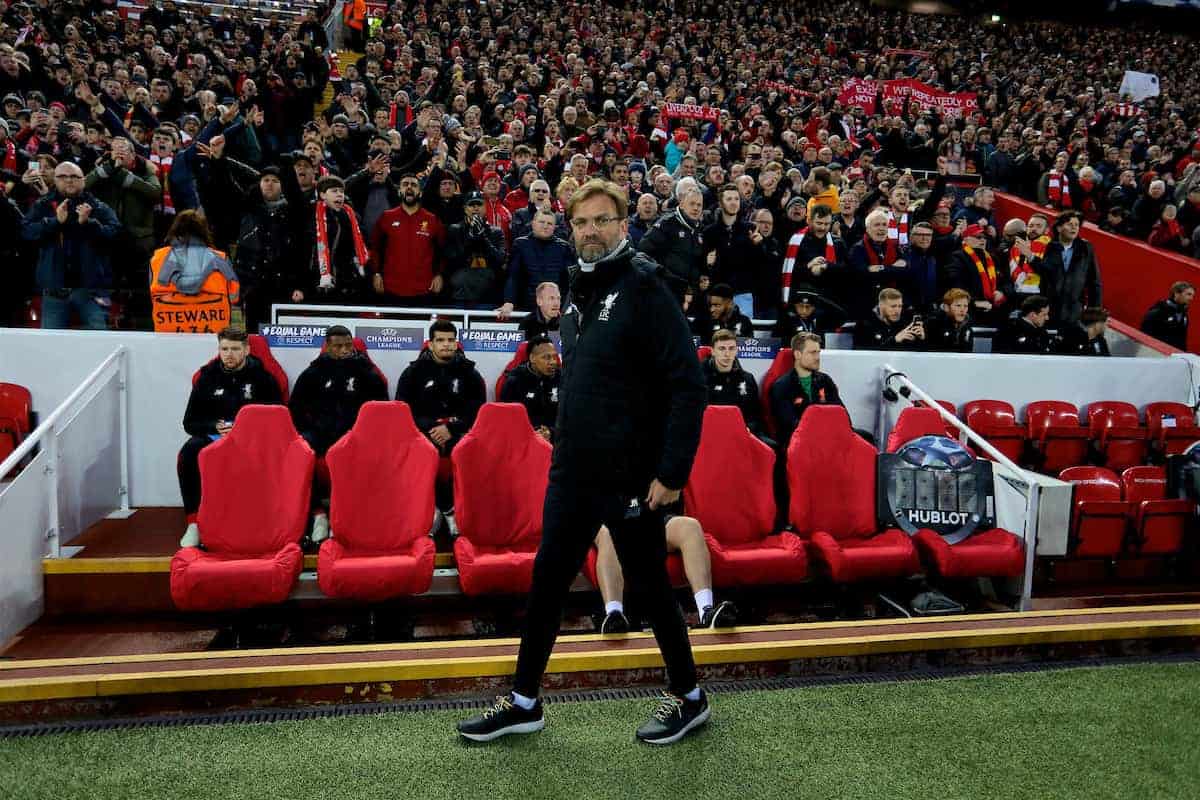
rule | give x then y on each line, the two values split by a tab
523	701
694	694
614	605
704	599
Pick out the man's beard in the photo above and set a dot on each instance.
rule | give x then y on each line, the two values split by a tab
594	251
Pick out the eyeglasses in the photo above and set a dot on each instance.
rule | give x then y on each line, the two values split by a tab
599	223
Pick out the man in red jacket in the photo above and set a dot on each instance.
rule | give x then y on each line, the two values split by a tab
406	244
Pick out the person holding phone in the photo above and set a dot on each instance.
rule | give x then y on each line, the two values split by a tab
885	328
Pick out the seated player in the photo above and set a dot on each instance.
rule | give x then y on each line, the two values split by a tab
950	330
444	391
684	536
232	380
534	384
548	313
804	386
803	316
723	315
1086	337
729	384
887	328
1026	332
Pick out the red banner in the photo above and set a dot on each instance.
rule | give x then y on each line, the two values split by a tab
783	87
925	97
688	111
893	51
861	93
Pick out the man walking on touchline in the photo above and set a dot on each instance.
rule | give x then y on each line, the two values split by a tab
631	402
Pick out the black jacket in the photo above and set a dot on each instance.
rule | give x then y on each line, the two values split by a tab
739	323
789	402
961	273
734	388
452	392
219	394
266	244
633	395
872	333
677	245
1167	321
538	393
1016	335
536	325
943	336
474	262
736	254
790	323
1069	290
1073	340
329	393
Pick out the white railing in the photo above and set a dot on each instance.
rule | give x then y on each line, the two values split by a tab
69	421
300	313
1014	476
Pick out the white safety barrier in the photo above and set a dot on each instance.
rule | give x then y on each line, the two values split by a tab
77	474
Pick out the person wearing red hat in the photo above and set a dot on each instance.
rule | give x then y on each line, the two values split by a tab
494	210
972	269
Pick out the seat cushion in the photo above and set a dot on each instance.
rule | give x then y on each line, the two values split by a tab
778	559
375	577
890	554
994	553
674	569
202	581
491	569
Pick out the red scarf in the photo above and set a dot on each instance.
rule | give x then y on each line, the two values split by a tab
1058	190
789	261
323	257
162	165
897	228
1024	277
891	253
10	155
394	113
987	275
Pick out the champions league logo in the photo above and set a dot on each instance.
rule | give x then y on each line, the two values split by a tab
934	482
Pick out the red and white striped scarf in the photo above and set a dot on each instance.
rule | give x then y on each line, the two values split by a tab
162	166
1058	189
898	228
10	155
891	253
793	249
324	260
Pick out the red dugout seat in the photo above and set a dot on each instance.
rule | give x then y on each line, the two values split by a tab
1056	435
253	511
703	352
1117	434
996	421
951	431
785	360
1099	515
914	423
831	474
1159	524
501	469
730	492
16	417
262	351
381	508
1171	427
994	553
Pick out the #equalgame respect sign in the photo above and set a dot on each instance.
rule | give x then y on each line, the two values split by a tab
293	335
491	341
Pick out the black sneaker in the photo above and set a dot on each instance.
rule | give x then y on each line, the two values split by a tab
503	718
615	622
723	615
674	718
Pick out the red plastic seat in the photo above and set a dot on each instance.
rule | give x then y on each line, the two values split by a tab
914	423
16	417
703	352
831	474
360	346
1099	516
1171	427
519	358
501	469
785	360
1159	524
951	431
996	421
994	553
262	351
729	492
1056	435
381	508
253	511
1117	434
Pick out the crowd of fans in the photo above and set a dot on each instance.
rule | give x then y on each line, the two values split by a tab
439	174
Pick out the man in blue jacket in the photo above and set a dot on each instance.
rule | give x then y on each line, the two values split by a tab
73	231
536	258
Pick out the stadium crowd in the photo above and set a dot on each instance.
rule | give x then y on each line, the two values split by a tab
439	174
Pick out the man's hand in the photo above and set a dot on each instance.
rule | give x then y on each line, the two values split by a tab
84	211
756	237
435	285
505	311
230	113
297	296
906	335
1024	248
377	283
61	212
901	263
817	265
543	432
440	434
983	305
660	495
223	427
998	298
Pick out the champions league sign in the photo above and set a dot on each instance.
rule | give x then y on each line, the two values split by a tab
934	482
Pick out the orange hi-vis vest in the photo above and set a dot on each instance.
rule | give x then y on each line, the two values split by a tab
354	14
207	311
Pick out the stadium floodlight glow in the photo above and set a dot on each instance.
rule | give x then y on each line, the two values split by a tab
995	17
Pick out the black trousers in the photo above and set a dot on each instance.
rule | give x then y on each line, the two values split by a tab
572	516
188	467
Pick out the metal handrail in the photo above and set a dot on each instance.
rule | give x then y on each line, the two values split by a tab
47	425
